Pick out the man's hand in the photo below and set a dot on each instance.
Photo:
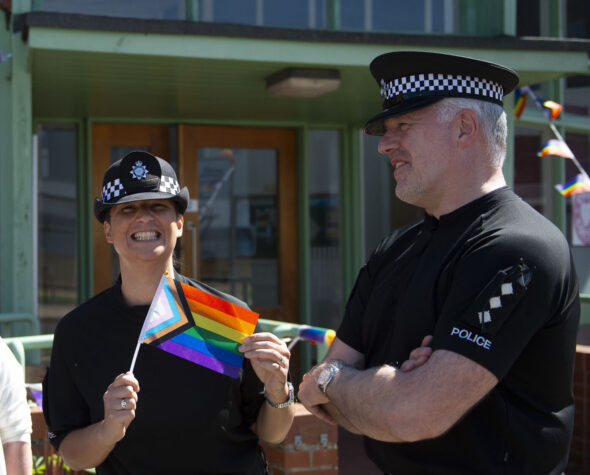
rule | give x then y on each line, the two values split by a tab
311	397
418	356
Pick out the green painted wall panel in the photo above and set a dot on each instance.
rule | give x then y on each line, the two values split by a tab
16	181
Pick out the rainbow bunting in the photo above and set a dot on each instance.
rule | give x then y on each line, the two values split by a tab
578	184
198	326
519	102
555	147
551	109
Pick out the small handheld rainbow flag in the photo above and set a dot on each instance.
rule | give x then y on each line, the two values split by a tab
197	326
578	184
555	147
314	334
519	102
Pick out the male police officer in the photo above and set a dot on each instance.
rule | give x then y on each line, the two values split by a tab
490	278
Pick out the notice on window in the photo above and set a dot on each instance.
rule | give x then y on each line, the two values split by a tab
581	219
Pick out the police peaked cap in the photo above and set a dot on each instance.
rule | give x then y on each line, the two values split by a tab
411	80
139	176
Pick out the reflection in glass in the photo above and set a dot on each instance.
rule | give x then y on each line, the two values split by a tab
238	223
528	179
324	225
57	224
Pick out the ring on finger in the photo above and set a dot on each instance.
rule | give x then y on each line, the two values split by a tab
280	361
123	403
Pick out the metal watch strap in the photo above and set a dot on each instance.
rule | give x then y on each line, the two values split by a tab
334	368
288	402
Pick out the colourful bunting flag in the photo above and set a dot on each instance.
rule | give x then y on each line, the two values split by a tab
314	334
198	326
578	184
519	102
555	147
551	109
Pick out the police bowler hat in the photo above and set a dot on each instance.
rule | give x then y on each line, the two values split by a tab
139	176
411	80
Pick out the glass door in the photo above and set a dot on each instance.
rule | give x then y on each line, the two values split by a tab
240	231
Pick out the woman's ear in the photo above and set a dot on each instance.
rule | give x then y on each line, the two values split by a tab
467	127
180	225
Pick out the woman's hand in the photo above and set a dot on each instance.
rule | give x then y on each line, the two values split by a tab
120	402
270	360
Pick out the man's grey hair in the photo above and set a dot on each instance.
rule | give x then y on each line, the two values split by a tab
492	120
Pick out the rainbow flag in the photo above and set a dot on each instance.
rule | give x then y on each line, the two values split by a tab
551	109
198	326
555	147
519	102
578	184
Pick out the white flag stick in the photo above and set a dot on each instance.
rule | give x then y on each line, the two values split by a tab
146	321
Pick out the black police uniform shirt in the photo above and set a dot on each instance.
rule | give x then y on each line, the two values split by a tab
189	419
493	281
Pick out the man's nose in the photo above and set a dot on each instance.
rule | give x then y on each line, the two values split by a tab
388	142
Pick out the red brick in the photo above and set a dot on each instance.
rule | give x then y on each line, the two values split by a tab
320	471
324	457
287	458
309	428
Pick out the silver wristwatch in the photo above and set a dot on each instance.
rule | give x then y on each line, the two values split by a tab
288	402
328	373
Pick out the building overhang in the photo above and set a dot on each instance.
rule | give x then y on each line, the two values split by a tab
91	66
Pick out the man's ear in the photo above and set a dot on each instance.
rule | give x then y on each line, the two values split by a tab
467	127
108	232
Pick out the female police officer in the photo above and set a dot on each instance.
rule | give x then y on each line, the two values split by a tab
188	418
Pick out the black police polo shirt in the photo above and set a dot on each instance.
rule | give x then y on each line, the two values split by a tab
493	281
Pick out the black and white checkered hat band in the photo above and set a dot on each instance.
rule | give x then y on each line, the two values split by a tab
460	85
169	185
112	189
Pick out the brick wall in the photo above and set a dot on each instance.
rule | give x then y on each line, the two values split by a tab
310	448
580	452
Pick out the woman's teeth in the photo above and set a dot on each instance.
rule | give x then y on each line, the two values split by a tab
145	236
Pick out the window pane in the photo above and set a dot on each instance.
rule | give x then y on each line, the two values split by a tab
398	15
528	167
57	224
229	11
238	223
383	210
578	207
577	95
377	194
324	223
152	9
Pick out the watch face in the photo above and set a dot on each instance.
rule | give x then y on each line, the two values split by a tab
324	376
